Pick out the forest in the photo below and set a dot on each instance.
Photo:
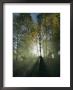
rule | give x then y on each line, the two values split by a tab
36	44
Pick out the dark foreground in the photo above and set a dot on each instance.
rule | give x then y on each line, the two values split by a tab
39	69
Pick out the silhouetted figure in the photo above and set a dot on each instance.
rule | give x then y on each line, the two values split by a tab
39	69
43	72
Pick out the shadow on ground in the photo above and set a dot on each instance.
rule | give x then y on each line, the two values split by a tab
39	69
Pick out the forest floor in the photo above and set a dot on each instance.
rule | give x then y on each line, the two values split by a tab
41	68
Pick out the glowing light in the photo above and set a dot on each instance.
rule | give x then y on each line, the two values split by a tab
52	56
36	50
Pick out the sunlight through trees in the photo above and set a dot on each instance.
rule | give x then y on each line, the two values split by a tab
34	35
